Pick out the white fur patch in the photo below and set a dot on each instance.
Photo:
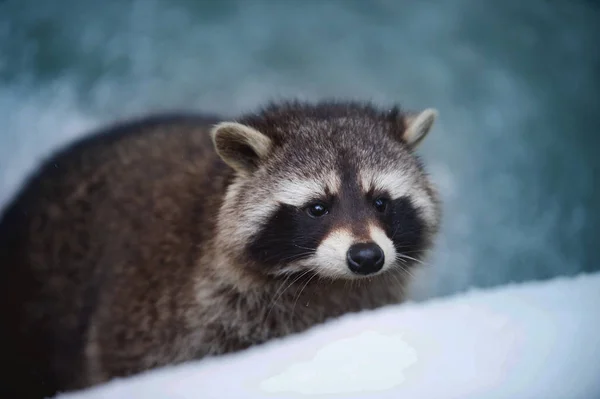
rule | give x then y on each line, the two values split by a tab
395	183
424	204
253	216
260	143
381	239
298	192
419	125
330	257
333	182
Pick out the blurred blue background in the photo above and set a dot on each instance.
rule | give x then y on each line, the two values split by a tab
516	83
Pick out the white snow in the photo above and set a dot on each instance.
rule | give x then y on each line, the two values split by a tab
535	340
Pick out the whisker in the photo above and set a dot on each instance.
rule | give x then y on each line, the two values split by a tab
405	231
277	296
301	247
298	297
394	273
402	255
401	270
416	251
287	277
297	256
290	258
404	269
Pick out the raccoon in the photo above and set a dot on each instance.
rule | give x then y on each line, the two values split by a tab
170	238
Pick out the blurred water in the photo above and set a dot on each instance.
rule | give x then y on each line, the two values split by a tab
516	84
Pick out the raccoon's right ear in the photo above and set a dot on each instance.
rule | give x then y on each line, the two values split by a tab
240	146
418	125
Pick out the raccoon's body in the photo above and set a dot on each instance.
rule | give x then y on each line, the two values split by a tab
169	239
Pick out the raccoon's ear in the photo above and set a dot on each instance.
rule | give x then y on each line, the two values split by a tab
418	124
240	146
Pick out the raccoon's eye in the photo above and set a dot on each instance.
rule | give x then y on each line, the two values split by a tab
317	210
380	204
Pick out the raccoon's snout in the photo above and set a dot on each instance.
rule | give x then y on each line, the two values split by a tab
365	258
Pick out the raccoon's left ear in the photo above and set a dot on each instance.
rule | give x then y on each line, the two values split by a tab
240	146
418	124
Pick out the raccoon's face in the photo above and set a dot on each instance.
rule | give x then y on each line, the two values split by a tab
332	189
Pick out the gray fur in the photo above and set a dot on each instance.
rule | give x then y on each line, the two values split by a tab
125	251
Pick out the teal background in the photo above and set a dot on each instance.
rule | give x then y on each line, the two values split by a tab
516	83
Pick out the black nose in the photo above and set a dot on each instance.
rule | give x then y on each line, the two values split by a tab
365	258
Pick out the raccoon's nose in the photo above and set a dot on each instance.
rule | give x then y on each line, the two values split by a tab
365	258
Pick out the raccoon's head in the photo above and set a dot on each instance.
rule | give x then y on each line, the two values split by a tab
329	188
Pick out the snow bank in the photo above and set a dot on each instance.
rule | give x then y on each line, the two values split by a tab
536	340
